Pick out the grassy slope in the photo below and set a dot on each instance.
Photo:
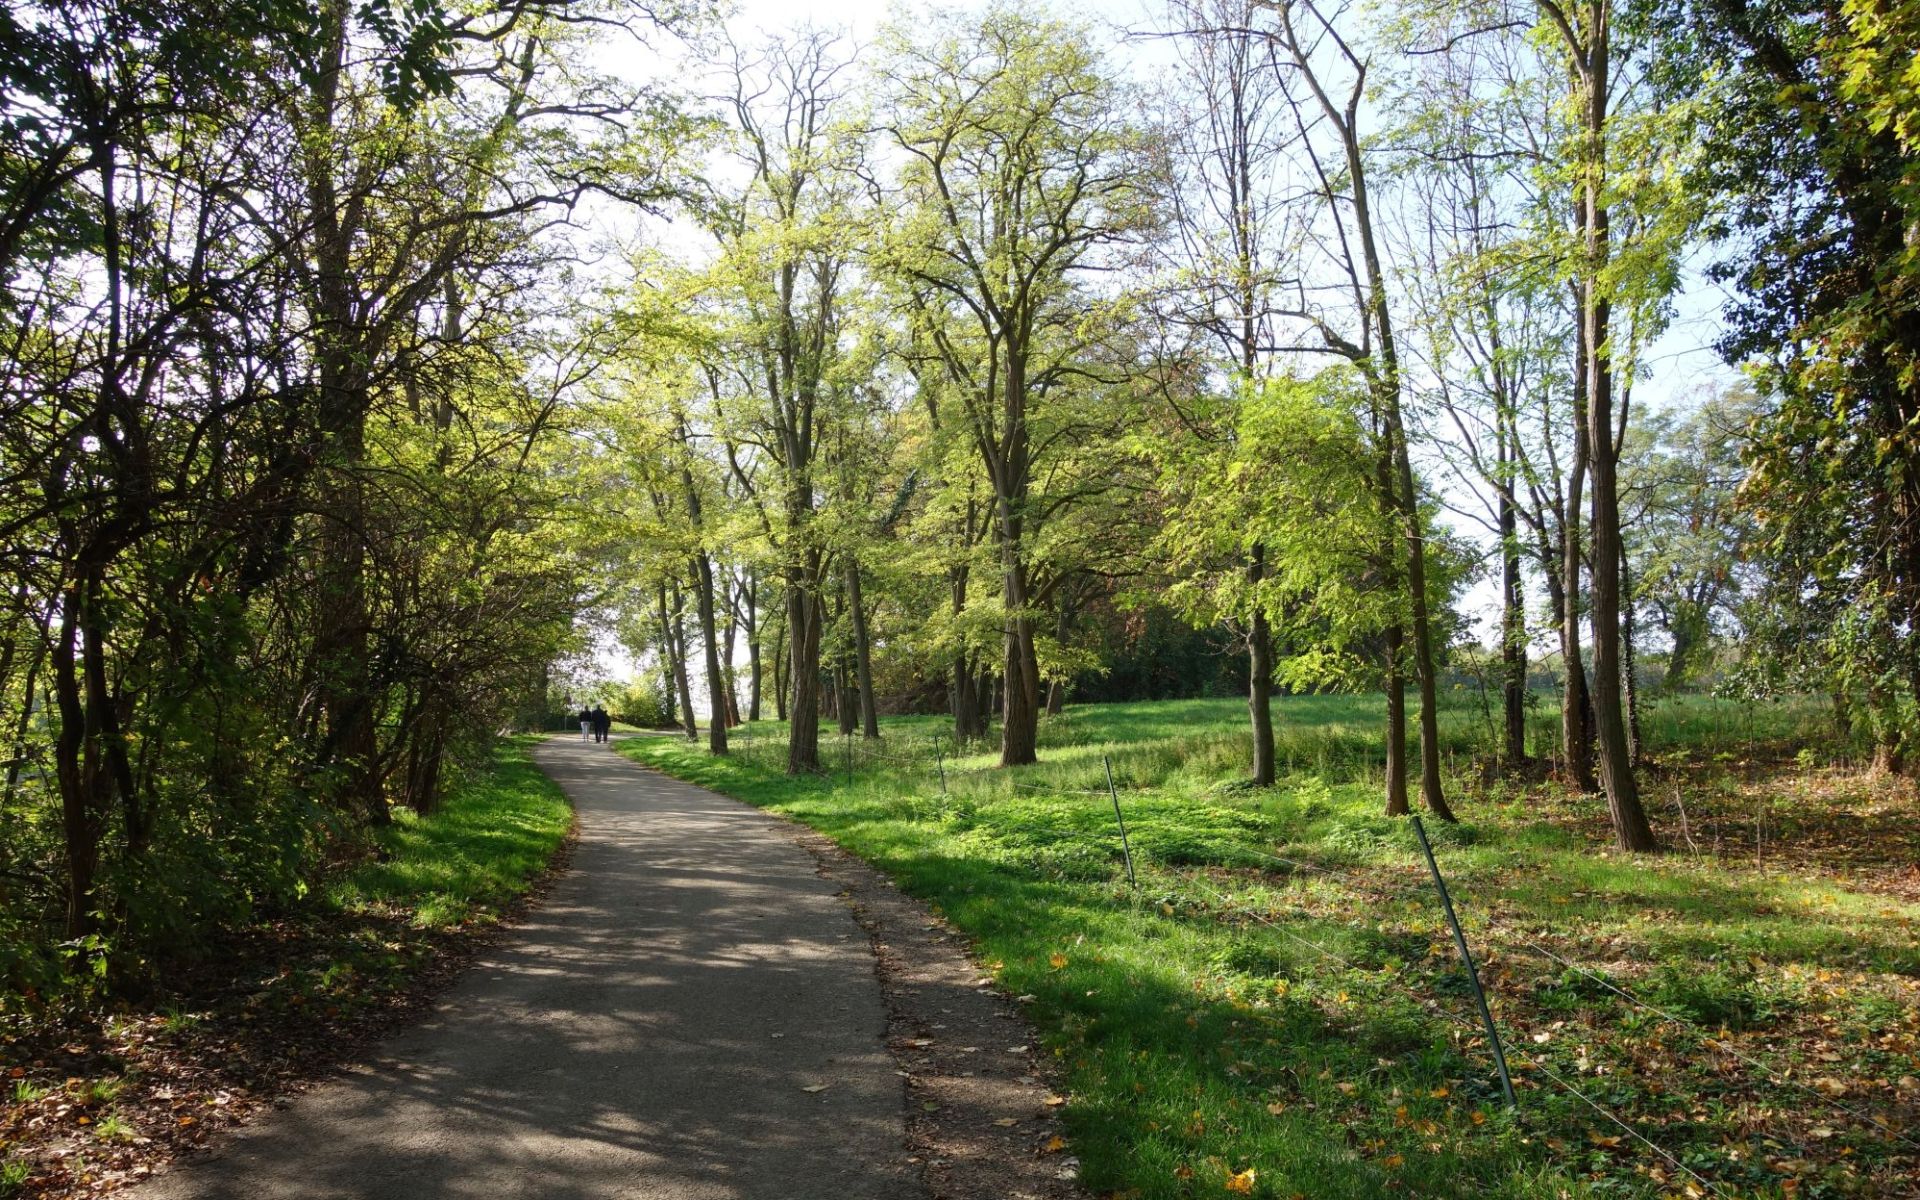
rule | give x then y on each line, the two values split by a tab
87	1099
495	832
1309	1022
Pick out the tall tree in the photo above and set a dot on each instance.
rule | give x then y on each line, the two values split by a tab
1224	134
1313	49
1017	177
785	252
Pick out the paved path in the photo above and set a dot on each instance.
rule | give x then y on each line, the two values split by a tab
648	1032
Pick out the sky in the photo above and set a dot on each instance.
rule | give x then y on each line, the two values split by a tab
1678	366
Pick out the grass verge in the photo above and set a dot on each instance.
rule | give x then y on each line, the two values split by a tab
1276	1010
95	1101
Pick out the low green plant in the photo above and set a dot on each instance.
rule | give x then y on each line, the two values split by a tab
114	1128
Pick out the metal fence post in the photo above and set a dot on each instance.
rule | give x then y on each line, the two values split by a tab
1466	957
847	752
940	764
1126	848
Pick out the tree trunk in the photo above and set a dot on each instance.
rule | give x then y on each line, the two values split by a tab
730	630
846	702
1576	746
1260	689
82	808
965	701
803	709
780	672
342	642
1631	830
1020	701
1057	689
1629	671
23	723
710	642
752	615
677	634
1513	620
862	660
968	723
1396	779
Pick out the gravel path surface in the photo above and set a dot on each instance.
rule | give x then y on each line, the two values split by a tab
691	1015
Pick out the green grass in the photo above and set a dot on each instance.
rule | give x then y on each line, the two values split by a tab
1310	1022
497	829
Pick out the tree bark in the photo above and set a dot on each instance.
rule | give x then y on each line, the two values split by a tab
780	672
676	637
1396	689
1629	667
751	595
1631	830
709	637
1576	746
1260	683
862	653
1513	617
803	676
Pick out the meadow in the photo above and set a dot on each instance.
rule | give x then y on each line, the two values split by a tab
1276	1007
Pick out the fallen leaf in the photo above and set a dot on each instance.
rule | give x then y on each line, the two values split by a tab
1057	960
1241	1182
1055	1144
1007	1122
814	1087
1055	1101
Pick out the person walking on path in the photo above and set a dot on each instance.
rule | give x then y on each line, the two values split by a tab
602	724
586	723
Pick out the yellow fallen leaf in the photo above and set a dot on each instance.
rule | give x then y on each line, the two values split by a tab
1058	960
1347	1089
1241	1182
1439	1093
1055	1101
814	1087
1276	1108
1395	1161
1055	1144
1007	1122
